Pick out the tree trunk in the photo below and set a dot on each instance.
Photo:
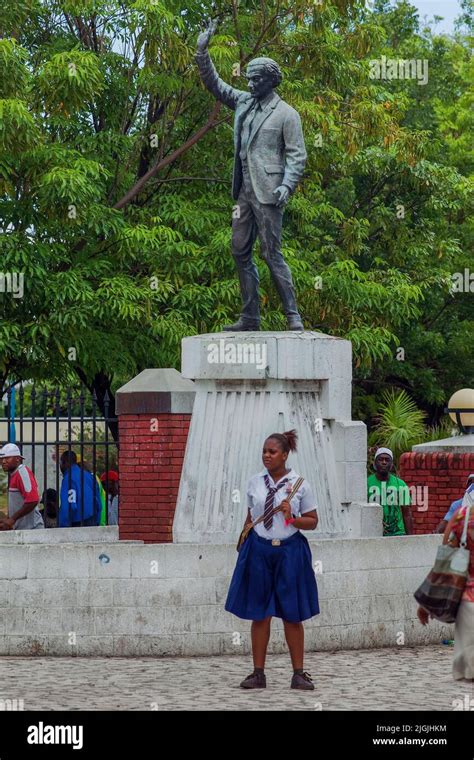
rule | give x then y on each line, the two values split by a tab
101	384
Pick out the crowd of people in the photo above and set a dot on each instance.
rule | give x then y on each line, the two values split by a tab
83	500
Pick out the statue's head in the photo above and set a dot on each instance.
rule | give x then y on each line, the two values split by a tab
263	75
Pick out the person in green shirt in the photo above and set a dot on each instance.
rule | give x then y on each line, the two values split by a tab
383	487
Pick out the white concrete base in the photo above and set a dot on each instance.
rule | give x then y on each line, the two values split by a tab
247	386
116	599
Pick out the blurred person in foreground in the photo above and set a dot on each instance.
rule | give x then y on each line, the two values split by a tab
463	659
454	506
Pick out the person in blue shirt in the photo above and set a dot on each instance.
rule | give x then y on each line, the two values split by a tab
453	508
80	503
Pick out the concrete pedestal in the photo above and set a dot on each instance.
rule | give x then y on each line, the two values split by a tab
247	386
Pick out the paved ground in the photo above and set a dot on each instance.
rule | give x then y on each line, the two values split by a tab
382	679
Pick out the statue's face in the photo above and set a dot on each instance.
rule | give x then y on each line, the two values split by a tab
260	83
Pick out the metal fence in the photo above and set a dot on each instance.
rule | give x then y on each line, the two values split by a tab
66	441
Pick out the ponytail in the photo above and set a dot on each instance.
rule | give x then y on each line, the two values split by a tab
286	440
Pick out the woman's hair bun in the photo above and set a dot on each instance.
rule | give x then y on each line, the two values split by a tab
286	440
292	438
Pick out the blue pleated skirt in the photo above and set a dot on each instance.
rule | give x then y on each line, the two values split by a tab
274	580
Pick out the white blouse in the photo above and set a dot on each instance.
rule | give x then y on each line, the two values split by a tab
302	502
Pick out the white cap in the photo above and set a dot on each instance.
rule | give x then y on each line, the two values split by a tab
383	451
471	476
10	450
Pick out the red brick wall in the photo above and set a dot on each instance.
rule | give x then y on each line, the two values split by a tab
150	461
445	476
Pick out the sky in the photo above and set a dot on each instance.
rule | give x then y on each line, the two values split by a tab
449	9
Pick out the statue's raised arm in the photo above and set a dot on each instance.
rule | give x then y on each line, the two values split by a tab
205	36
220	89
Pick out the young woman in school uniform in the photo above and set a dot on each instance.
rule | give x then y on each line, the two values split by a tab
274	575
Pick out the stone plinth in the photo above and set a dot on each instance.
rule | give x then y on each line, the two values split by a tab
249	385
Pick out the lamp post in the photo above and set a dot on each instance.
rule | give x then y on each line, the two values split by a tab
461	409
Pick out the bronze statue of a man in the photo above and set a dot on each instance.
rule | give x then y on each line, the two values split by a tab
269	160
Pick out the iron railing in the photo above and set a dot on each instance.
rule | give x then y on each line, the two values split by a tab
49	424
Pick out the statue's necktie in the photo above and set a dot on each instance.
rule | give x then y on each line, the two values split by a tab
247	127
270	500
254	112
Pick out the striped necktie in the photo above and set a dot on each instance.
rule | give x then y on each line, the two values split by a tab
270	500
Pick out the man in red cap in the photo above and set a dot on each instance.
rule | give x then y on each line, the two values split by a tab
110	481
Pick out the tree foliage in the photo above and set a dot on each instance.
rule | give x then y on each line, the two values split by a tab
115	198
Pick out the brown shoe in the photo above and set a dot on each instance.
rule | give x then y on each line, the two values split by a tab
254	681
301	681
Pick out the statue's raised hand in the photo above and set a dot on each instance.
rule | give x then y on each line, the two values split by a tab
206	34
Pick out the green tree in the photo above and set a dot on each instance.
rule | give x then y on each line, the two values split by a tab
115	203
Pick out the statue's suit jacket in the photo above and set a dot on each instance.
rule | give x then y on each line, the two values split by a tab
276	153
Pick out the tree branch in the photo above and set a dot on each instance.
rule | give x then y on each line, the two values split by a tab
188	179
429	322
210	124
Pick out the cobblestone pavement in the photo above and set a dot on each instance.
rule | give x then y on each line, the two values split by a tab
379	679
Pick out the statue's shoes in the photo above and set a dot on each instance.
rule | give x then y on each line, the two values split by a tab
295	324
241	326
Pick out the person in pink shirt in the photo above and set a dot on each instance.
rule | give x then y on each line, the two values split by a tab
23	497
